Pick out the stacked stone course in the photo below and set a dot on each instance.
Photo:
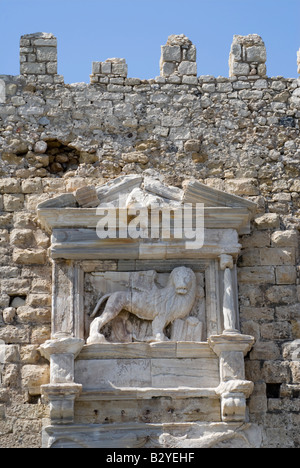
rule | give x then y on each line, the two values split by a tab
238	134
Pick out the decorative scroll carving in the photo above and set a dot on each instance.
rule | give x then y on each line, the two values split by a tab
161	306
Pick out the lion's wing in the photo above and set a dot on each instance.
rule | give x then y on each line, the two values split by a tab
143	281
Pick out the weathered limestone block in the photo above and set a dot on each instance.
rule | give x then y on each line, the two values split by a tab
46	54
4	237
32	186
268	221
28	314
10	186
187	68
171	53
256	54
22	238
168	68
39	300
40	334
286	275
281	294
118	67
14	202
256	275
242	187
32	68
285	238
15	286
277	256
239	68
30	256
15	334
9	314
33	377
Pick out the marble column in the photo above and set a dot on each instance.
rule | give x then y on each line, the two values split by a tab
229	307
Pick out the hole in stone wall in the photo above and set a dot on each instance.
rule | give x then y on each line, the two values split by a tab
33	399
287	122
17	301
273	390
61	157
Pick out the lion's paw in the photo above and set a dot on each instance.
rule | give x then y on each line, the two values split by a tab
96	338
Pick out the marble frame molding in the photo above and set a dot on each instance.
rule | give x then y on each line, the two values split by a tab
68	314
76	250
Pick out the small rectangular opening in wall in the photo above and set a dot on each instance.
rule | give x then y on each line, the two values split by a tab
17	301
273	390
33	399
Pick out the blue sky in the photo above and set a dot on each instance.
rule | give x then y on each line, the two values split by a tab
94	30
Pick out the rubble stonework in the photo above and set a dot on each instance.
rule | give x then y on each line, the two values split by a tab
239	135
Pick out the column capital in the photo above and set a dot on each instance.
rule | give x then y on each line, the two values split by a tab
232	342
64	345
226	261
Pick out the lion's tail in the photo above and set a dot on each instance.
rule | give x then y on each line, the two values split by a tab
99	303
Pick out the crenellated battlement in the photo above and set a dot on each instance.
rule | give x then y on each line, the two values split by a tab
248	55
38	54
231	142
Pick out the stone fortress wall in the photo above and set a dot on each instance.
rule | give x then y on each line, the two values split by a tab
238	134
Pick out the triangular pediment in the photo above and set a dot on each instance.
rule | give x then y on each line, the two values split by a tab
126	187
221	210
196	192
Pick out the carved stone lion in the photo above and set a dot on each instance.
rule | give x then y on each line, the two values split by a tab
160	305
